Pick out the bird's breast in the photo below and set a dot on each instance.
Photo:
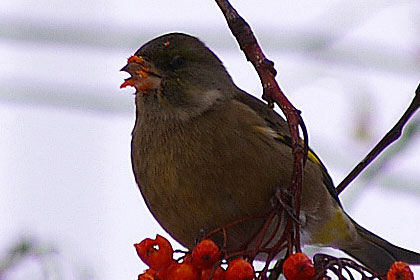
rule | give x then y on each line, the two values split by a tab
201	175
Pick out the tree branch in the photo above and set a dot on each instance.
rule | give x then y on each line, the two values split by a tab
387	140
272	94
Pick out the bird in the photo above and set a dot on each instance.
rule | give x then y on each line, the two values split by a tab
205	153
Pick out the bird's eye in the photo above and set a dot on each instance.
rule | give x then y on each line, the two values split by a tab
177	61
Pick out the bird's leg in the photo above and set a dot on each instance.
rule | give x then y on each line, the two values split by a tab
283	199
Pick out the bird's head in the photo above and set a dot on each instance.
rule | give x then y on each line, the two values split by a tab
178	75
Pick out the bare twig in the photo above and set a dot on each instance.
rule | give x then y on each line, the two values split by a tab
390	137
272	94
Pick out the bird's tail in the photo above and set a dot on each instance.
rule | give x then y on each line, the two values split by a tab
377	253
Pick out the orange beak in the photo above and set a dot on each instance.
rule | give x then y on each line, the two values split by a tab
142	77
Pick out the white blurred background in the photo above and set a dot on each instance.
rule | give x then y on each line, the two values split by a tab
69	206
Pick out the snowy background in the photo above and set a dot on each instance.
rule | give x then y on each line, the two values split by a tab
67	195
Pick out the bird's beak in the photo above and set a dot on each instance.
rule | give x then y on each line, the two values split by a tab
144	76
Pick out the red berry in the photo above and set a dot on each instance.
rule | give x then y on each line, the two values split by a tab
182	271
298	267
205	254
400	271
239	269
156	253
219	274
149	274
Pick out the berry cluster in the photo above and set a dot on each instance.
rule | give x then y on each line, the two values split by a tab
202	264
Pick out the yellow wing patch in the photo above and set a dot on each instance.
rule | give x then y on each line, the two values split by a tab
270	132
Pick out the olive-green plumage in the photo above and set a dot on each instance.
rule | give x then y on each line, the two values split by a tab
206	153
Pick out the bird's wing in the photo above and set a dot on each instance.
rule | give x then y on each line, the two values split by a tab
275	123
